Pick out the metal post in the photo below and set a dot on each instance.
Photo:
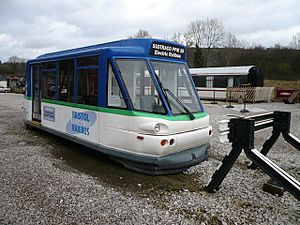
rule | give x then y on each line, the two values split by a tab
220	174
229	106
267	146
240	137
294	141
214	96
282	121
244	101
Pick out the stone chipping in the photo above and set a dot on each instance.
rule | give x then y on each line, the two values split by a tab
39	187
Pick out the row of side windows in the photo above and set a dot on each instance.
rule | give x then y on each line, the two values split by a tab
59	79
58	82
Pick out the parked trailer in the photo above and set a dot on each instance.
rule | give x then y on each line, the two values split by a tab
216	80
131	99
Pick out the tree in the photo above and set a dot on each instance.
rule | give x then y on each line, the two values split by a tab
207	33
177	37
295	43
244	44
141	34
194	34
16	59
15	62
213	33
187	40
198	58
231	41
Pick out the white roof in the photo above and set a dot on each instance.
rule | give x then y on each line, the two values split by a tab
228	70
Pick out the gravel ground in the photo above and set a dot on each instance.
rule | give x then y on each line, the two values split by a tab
41	185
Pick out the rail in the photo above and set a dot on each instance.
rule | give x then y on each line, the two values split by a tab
236	94
240	133
213	96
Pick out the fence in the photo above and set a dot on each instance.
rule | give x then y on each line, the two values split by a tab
212	93
249	94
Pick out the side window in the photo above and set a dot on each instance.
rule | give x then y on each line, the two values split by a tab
237	81
87	80
65	86
49	84
88	86
49	74
88	61
49	66
230	82
114	95
209	81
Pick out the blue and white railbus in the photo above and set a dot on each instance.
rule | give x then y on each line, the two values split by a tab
132	99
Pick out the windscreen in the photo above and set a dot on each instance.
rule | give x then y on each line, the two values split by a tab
174	77
140	86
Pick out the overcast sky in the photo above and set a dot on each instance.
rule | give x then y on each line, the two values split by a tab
29	28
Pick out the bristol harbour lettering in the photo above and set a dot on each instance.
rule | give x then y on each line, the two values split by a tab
80	122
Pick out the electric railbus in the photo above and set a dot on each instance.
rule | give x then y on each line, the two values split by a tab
133	100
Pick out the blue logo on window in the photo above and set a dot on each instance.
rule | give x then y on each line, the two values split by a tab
81	122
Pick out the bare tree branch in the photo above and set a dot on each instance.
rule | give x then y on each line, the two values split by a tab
295	43
213	33
177	37
16	59
206	33
141	34
231	41
194	33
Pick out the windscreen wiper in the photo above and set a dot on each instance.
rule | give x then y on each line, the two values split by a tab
163	89
190	114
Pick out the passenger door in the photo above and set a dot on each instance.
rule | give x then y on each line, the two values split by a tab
36	93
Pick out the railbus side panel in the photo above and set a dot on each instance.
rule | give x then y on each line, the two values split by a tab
27	108
81	123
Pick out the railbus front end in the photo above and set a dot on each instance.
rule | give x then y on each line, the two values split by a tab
131	99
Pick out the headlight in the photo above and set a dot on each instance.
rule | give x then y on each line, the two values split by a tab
157	127
153	128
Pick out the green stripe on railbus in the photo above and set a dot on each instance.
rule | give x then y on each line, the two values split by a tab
125	112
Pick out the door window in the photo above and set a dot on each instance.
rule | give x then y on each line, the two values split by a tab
114	96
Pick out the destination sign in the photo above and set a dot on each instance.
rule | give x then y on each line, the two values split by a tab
167	50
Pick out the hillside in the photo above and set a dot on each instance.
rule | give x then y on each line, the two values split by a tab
276	64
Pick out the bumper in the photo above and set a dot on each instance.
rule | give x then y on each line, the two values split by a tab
171	164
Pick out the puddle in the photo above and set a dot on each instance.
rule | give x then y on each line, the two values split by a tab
109	172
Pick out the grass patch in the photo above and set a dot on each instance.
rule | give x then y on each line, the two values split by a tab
284	84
